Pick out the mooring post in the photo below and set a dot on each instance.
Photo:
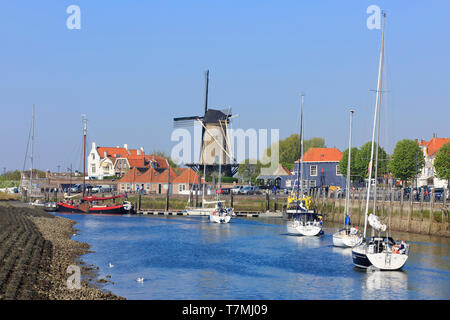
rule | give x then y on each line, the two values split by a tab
410	213
139	201
391	208
431	211
359	206
267	201
402	193
421	206
231	199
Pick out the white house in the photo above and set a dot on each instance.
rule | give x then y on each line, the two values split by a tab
427	175
102	160
109	161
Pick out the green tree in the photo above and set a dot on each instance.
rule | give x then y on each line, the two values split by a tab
249	170
289	148
442	163
362	161
354	174
407	160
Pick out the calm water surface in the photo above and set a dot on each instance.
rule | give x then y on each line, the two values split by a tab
191	258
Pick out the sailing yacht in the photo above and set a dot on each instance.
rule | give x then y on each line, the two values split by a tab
220	214
304	221
379	251
347	237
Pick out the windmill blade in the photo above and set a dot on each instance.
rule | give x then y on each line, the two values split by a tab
227	111
185	121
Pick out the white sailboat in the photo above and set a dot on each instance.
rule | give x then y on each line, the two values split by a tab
347	237
381	251
304	222
220	214
203	211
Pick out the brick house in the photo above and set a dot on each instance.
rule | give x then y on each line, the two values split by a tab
155	180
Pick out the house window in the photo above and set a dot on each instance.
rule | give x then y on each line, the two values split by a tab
312	183
93	156
93	168
147	186
338	172
313	171
304	183
122	186
181	187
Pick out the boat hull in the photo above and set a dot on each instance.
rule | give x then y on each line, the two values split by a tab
388	261
340	239
199	211
304	230
219	218
118	209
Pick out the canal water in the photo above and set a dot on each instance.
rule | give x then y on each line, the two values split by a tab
190	258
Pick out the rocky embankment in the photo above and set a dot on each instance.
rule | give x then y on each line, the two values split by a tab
35	252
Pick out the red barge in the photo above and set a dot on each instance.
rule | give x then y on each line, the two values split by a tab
88	205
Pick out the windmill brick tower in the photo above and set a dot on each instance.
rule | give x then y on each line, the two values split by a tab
215	139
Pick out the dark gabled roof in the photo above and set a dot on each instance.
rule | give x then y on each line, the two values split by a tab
213	116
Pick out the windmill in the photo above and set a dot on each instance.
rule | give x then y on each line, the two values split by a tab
215	139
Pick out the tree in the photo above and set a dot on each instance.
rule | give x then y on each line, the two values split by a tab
407	160
442	163
362	161
289	148
249	170
355	176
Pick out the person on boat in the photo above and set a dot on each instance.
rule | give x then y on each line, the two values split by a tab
403	246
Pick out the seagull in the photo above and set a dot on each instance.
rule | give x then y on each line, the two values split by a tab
140	279
111	265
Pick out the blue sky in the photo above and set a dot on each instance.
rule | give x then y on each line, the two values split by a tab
135	65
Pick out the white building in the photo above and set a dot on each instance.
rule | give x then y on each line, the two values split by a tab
427	175
116	161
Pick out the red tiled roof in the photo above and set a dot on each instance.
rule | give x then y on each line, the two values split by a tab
187	175
112	152
322	155
434	145
287	170
149	175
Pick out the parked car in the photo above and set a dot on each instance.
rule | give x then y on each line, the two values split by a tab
439	193
224	191
237	189
248	190
101	188
76	188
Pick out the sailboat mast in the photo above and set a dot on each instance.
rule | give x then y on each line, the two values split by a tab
204	182
347	193
84	153
380	70
32	153
301	148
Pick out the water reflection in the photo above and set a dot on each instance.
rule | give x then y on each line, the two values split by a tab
303	241
385	285
343	251
191	258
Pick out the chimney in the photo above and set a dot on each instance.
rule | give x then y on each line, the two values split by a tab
142	150
125	146
94	145
138	152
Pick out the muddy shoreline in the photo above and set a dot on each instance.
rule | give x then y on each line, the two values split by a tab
36	251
